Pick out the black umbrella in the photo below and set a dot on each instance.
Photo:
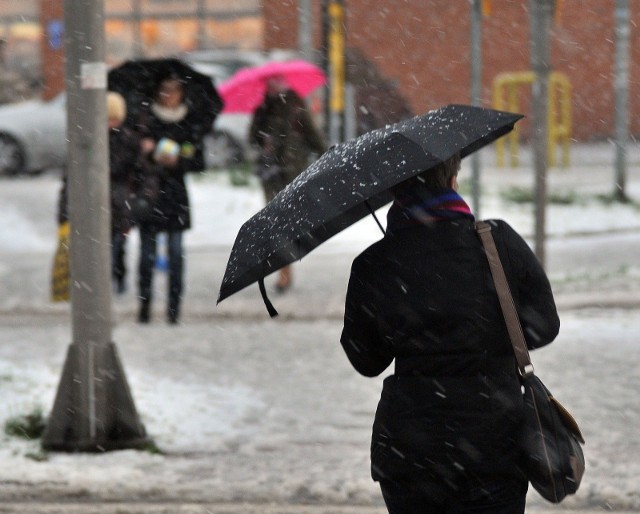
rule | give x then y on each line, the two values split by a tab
350	181
137	81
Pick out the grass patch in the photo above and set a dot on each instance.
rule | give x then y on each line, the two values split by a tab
29	426
517	195
592	277
38	456
240	176
152	448
526	195
564	198
523	195
32	426
610	199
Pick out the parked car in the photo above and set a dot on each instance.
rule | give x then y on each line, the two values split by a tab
33	136
33	133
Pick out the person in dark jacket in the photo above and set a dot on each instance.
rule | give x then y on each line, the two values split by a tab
286	135
171	147
444	434
124	148
123	152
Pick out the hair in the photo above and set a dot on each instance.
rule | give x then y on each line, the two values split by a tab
116	106
174	80
440	176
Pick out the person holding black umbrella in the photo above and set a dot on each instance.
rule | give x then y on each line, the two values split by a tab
445	430
173	106
171	147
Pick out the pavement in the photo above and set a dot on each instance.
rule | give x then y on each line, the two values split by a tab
237	508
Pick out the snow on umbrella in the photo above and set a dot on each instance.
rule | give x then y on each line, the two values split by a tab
244	91
348	182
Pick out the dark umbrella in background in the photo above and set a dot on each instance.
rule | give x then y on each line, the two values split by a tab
348	182
137	81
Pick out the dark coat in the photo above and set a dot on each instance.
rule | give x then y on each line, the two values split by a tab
123	157
124	149
171	209
424	297
286	121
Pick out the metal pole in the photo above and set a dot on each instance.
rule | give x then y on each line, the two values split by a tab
476	94
541	13
305	45
202	27
93	410
337	69
136	26
621	88
325	65
350	116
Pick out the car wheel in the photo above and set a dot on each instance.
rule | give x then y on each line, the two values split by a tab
222	151
11	156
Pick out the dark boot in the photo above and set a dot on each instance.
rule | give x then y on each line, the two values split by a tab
144	312
173	312
119	284
284	279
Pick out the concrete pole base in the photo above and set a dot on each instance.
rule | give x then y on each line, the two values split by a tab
93	410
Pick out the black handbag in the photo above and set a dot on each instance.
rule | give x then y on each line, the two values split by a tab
550	437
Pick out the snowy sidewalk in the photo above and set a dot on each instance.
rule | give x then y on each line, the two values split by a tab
261	416
269	412
589	242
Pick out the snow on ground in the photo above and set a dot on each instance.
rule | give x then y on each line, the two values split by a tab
263	410
219	209
268	411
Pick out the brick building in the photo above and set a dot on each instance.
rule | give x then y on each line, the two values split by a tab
423	46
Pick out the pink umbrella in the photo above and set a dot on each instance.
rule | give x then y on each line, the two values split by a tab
244	91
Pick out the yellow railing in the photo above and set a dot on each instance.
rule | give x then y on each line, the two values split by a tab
506	98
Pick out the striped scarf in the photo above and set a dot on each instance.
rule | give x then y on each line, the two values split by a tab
422	207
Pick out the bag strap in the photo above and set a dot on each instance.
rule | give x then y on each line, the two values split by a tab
506	299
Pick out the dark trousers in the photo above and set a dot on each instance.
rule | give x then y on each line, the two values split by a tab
119	269
498	497
148	253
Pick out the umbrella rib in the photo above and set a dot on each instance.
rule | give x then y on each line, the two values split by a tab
366	202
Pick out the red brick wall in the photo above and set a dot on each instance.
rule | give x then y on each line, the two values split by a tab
424	46
53	59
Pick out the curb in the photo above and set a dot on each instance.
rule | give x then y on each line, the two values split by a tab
209	508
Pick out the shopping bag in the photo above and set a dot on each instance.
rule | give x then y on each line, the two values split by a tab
60	276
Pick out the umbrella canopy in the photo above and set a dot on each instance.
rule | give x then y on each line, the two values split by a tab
244	91
351	180
138	80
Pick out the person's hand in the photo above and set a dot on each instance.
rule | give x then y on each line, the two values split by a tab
166	160
147	145
267	145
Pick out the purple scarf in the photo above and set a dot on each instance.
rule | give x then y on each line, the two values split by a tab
422	207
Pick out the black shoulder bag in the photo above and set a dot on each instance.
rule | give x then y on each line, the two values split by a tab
550	437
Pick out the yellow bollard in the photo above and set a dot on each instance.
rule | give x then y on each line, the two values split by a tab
559	115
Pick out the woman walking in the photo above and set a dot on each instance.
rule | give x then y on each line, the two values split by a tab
444	434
